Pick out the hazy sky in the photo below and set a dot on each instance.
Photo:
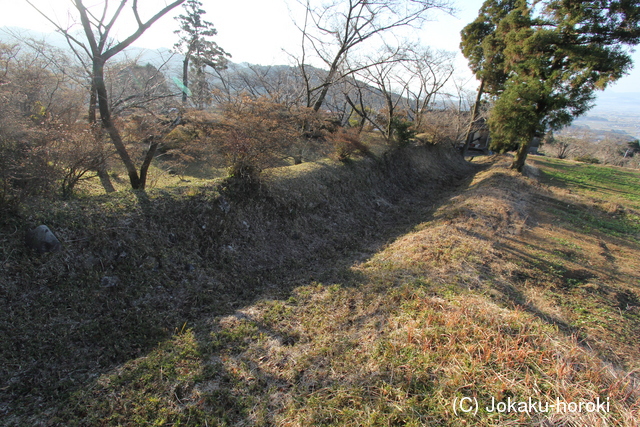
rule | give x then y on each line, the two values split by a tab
257	31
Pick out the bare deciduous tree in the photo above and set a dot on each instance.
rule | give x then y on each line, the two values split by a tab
448	123
425	74
133	87
332	32
384	77
100	47
562	147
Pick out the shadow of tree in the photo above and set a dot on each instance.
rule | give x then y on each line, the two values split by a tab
247	360
173	260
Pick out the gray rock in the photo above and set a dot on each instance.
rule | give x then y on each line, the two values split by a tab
41	239
224	205
109	281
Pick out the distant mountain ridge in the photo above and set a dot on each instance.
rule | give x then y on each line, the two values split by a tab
237	75
608	101
155	57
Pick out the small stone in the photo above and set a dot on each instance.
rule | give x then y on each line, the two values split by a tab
42	239
224	205
109	281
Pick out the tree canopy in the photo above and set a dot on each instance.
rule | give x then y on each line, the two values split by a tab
197	47
544	60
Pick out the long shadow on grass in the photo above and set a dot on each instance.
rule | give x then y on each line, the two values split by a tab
129	279
564	273
510	292
541	261
623	180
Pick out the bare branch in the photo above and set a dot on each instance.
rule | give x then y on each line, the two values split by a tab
136	14
141	29
107	28
337	29
65	32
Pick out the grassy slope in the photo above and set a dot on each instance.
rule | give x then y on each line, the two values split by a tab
291	313
137	266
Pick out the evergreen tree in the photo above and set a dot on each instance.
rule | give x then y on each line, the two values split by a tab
198	50
482	46
554	55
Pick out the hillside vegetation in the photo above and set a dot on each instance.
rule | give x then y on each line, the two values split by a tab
300	246
368	293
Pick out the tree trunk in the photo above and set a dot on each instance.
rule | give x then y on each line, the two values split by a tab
323	94
328	81
107	122
144	168
92	103
388	131
474	118
521	155
105	180
185	77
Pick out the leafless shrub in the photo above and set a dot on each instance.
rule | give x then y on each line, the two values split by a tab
446	126
562	147
582	144
77	152
259	133
347	143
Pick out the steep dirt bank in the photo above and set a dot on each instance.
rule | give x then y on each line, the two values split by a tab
477	300
136	266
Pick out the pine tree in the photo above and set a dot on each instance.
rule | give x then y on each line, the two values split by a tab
554	57
198	50
482	46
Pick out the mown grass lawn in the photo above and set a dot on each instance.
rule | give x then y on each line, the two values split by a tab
607	183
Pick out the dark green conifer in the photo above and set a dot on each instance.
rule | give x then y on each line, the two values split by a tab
550	56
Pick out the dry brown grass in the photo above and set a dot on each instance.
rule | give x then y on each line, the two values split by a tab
179	254
497	292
